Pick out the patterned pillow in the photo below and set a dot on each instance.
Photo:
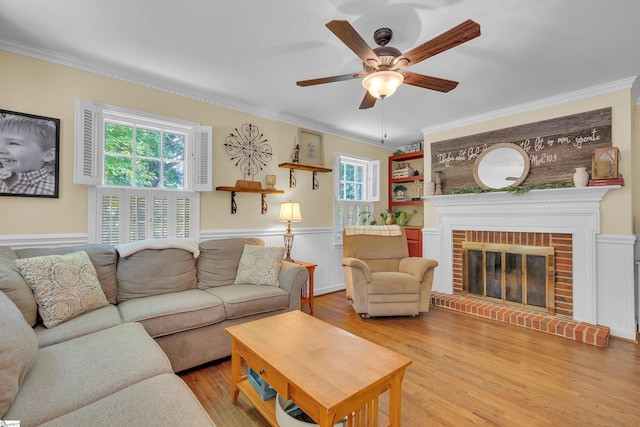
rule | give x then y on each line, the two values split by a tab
65	286
259	265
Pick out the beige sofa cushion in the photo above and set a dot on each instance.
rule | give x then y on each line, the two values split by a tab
103	258
75	373
96	320
246	300
13	285
18	348
155	272
218	261
65	286
164	400
175	312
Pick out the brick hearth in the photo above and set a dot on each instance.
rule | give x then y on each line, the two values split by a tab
567	328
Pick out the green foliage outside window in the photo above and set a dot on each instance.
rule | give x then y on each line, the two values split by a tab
153	159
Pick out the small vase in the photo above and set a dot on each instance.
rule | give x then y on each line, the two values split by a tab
438	184
271	182
581	177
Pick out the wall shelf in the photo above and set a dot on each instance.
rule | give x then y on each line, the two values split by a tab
315	169
393	161
262	191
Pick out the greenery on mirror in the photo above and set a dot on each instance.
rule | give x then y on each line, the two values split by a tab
520	189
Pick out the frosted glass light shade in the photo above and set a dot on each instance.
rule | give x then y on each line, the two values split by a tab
382	83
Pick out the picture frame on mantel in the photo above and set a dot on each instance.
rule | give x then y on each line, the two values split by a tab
311	148
604	163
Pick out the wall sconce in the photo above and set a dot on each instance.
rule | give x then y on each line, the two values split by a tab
289	212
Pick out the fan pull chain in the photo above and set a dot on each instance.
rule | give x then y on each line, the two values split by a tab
384	121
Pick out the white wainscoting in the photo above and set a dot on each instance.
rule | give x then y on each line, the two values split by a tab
616	286
310	244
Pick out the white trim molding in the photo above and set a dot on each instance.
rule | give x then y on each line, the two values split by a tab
570	210
624	84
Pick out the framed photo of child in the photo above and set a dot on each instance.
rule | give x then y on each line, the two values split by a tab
29	155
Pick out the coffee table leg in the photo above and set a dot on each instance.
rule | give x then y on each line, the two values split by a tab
235	372
395	399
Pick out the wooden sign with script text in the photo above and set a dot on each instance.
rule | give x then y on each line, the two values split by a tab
555	148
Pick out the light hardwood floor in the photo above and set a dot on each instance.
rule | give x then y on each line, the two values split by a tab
471	371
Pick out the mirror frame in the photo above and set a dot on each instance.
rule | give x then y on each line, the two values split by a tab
514	147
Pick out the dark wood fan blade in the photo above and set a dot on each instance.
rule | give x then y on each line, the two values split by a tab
464	32
368	101
332	79
349	36
428	82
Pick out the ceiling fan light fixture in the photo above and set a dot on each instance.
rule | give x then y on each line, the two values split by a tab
382	84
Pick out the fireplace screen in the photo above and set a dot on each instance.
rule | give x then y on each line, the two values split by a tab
514	274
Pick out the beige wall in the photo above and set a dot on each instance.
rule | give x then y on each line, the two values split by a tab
617	208
37	87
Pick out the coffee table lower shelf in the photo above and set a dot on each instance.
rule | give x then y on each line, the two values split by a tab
266	407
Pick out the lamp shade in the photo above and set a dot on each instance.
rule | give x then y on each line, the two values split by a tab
290	211
382	83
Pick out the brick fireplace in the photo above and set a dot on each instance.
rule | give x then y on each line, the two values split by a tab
565	219
560	242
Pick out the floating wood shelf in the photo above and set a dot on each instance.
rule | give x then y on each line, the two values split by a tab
263	191
315	169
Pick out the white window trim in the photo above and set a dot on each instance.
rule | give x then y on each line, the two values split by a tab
372	190
89	145
89	168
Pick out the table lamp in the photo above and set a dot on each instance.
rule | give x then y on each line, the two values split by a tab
289	212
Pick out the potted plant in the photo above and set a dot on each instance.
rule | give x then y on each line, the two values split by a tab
366	218
389	216
399	189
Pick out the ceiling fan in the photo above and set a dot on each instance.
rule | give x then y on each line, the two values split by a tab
384	66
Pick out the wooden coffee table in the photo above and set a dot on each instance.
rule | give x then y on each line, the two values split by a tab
328	372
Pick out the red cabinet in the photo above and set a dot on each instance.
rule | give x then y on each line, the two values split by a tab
414	241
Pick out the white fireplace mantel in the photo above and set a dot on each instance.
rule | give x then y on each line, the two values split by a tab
562	210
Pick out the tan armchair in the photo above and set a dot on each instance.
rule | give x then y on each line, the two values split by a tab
381	278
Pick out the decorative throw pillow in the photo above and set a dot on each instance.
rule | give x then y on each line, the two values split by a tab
259	265
65	286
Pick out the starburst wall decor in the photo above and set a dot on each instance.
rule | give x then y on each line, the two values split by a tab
248	148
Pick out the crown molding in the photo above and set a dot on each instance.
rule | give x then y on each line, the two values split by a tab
164	86
624	84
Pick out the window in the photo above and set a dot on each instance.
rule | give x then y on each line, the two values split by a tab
144	173
356	187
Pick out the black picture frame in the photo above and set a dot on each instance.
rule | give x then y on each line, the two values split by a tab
29	155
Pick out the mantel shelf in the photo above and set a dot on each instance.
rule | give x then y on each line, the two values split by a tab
315	169
262	191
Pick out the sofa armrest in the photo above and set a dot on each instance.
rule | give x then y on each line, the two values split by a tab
417	266
360	265
291	278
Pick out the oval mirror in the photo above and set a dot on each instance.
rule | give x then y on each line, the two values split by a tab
501	165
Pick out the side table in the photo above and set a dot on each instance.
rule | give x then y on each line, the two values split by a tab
306	293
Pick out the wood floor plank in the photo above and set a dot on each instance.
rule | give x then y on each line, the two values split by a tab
471	371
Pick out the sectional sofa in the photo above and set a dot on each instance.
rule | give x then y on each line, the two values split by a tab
162	306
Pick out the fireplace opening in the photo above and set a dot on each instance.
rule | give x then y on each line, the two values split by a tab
514	274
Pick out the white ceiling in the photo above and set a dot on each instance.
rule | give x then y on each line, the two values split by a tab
248	54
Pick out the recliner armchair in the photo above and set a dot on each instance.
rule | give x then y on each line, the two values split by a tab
381	278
